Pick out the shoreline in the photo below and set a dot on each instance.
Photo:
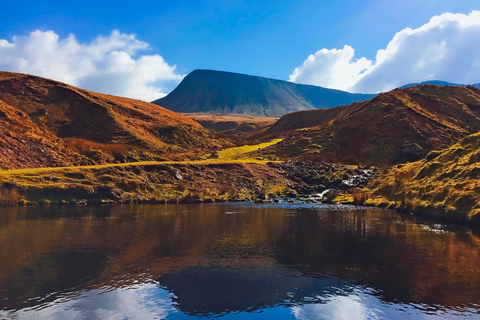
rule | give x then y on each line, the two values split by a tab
291	201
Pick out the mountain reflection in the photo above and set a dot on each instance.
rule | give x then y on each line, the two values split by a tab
216	290
216	259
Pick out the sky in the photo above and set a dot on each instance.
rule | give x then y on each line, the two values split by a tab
143	49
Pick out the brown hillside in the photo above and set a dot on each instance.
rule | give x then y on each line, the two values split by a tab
394	127
23	144
102	127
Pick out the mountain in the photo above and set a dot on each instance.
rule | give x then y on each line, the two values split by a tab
48	123
438	83
208	91
394	127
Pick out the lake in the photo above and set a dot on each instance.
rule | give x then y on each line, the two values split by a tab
234	261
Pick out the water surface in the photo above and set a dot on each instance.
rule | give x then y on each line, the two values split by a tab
228	261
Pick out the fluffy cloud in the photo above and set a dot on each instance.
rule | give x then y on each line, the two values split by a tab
332	68
107	64
446	48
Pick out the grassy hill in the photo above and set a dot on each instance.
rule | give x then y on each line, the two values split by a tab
446	184
65	124
24	144
394	127
208	91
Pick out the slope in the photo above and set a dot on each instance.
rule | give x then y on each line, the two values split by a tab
23	144
445	184
398	126
103	128
208	91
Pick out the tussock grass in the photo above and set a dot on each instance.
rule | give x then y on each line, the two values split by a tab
445	184
36	171
221	179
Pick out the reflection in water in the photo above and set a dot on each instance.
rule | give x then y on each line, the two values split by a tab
245	288
238	260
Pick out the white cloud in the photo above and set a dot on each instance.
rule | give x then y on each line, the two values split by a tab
446	48
107	64
331	68
143	301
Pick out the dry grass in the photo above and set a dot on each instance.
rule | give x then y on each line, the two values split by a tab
241	152
140	182
381	131
226	156
36	171
223	178
445	185
44	124
9	197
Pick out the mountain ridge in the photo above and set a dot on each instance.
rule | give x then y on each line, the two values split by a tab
438	83
394	127
221	92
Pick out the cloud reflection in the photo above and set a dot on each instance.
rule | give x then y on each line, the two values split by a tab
145	301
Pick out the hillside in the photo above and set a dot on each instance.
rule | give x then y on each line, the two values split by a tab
63	124
394	127
23	144
445	184
208	91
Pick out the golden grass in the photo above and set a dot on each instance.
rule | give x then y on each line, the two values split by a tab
33	171
446	184
227	156
238	152
375	132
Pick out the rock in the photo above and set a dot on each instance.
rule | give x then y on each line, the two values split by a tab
411	152
39	112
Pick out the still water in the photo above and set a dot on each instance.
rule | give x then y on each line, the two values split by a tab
234	261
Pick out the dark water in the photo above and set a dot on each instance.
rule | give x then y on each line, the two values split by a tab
239	261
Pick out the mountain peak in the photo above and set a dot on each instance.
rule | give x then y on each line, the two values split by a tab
211	91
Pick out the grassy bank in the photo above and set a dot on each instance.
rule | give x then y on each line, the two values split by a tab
214	178
446	184
142	182
190	181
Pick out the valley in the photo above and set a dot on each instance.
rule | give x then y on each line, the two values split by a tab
290	160
65	145
233	124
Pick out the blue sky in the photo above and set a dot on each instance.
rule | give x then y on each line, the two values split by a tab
266	38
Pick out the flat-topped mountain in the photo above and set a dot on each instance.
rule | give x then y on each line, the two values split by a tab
48	123
208	91
394	127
